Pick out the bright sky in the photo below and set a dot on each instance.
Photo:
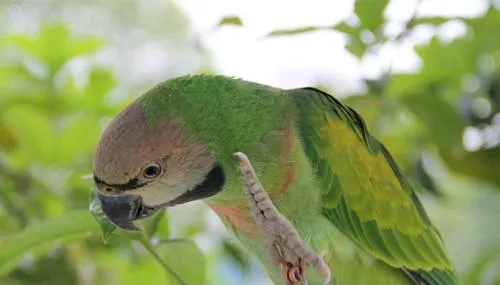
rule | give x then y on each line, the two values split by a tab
309	58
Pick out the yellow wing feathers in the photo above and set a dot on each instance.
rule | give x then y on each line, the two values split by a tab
365	194
370	187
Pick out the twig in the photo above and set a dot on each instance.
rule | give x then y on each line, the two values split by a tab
149	247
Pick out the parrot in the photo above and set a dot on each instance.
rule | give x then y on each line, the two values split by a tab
325	179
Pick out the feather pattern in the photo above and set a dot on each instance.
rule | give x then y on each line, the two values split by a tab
365	193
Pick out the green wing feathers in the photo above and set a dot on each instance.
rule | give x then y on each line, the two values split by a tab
365	194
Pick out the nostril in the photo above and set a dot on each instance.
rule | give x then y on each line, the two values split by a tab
108	189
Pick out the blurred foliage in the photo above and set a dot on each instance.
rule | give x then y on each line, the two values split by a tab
230	20
107	227
442	123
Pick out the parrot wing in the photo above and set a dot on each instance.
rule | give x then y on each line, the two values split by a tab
365	194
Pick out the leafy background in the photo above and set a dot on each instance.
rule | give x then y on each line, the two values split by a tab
426	81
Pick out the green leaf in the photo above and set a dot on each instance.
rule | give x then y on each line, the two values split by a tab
370	13
107	227
17	79
41	236
85	46
435	21
236	254
475	274
356	46
24	42
423	178
55	56
194	228
77	139
482	164
155	222
185	259
484	38
435	56
447	63
33	132
101	82
43	46
442	122
230	20
289	32
404	84
348	29
7	139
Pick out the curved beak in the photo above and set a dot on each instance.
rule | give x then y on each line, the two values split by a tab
122	210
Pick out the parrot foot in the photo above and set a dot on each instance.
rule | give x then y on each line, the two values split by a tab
284	244
294	274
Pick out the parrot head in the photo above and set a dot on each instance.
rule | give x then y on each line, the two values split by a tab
144	163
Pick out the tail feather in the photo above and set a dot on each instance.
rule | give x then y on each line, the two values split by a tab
433	277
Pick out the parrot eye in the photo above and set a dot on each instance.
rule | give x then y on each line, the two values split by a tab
151	171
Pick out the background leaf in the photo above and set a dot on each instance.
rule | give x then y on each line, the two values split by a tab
289	32
155	223
370	12
33	131
230	20
107	227
442	122
191	267
41	235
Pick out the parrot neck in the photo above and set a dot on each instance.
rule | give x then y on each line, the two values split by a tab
281	170
211	185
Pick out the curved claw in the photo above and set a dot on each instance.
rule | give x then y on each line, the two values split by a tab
292	274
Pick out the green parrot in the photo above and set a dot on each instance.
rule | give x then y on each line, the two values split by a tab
334	186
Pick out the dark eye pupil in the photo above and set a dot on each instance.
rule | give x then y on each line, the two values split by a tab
151	171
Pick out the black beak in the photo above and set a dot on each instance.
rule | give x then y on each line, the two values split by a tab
122	210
